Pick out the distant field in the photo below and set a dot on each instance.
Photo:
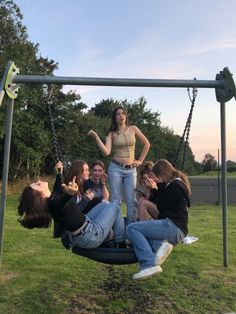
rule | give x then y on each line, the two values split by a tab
214	174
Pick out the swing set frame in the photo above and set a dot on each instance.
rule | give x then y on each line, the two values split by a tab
223	84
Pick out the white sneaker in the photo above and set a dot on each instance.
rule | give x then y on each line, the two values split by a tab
147	272
163	252
189	239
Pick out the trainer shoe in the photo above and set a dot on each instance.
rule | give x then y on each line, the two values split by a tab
163	252
147	272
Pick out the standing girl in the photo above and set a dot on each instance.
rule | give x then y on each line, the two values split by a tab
122	172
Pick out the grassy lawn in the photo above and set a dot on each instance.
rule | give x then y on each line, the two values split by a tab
39	276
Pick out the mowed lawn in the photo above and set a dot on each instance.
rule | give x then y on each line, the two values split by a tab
39	276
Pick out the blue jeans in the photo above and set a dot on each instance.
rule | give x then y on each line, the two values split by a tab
147	237
121	179
102	218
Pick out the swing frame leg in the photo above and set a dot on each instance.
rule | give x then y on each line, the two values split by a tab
11	90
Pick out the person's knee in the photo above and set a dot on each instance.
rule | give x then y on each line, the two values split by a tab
116	205
130	229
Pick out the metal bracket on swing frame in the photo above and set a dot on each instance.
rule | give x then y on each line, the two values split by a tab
225	93
7	84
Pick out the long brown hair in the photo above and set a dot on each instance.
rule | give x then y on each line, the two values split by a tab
114	126
98	163
144	168
165	169
76	170
33	209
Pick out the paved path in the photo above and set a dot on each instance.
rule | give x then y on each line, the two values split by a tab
206	191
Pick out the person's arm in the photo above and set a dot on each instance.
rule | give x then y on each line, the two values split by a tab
62	193
105	148
57	188
105	193
152	186
146	145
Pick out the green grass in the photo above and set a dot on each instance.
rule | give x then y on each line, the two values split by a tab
39	276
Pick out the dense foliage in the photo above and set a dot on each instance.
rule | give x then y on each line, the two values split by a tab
31	149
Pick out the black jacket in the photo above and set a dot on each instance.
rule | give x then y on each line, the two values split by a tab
172	201
66	212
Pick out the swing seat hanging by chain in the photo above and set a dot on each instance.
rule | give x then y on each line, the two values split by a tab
112	256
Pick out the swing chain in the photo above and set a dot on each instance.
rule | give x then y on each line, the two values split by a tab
187	127
48	100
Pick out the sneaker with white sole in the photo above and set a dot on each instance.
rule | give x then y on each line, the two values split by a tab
147	272
163	252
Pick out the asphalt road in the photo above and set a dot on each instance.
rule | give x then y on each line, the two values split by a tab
207	191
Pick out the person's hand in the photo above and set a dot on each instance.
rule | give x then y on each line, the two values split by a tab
59	166
90	194
149	182
159	180
72	187
136	163
92	134
104	178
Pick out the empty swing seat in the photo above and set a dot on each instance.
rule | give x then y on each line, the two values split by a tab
112	256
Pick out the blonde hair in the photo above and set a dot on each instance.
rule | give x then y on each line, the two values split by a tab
169	173
144	168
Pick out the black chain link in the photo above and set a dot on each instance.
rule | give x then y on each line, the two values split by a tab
48	100
186	128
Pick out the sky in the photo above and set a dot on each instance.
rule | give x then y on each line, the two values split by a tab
156	39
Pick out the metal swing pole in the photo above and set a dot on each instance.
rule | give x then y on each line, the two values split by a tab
128	82
7	146
11	91
223	95
224	183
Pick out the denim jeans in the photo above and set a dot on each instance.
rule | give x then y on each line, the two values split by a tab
102	218
147	237
123	180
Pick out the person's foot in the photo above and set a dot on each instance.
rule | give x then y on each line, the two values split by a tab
147	272
163	252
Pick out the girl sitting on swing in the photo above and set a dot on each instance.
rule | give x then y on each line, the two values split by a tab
146	209
97	181
68	206
153	240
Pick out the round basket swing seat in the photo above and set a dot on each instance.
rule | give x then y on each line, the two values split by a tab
112	256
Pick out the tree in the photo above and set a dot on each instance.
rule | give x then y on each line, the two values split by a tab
104	108
209	163
31	146
231	165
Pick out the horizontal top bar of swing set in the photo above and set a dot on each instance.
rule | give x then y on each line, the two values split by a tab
37	79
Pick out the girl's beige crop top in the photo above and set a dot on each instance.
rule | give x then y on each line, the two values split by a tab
124	144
